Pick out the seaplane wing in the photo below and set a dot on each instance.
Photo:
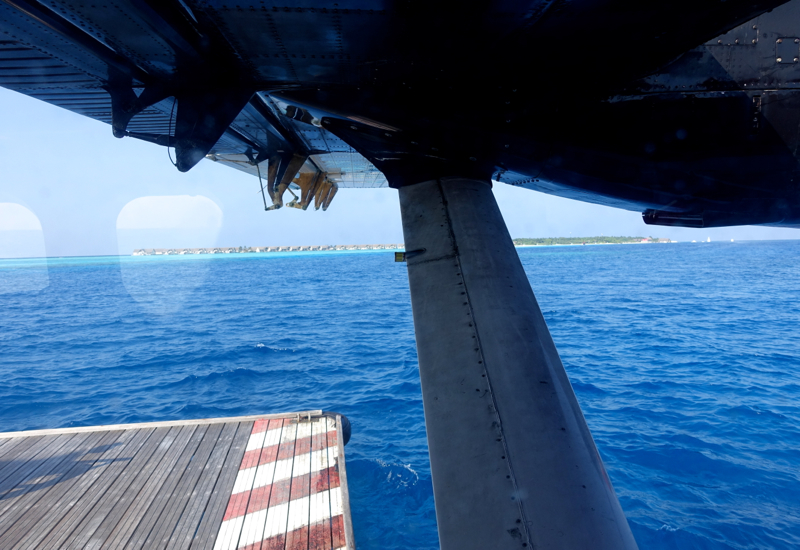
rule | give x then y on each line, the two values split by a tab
608	101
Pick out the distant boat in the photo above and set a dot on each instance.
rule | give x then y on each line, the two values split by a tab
731	240
709	240
694	241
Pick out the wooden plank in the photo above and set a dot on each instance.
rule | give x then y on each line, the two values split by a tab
232	521
278	515
24	465
170	487
131	479
63	512
148	481
188	525
7	444
146	504
11	505
168	478
320	537
345	492
30	513
52	466
256	512
212	518
337	509
117	527
179	497
299	498
21	454
85	504
19	445
162	424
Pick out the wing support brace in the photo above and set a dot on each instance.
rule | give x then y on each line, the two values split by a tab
513	462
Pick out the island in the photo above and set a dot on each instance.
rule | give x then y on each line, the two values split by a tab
547	241
261	249
554	241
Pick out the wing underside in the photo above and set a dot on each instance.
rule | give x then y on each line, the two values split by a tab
313	97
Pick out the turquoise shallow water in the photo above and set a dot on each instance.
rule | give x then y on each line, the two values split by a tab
685	358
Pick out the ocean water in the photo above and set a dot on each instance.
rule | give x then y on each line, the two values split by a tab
685	358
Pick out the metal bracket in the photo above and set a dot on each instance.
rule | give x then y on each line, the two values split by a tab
281	171
125	104
202	118
405	256
324	194
787	50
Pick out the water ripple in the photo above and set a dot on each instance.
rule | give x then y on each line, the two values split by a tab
684	358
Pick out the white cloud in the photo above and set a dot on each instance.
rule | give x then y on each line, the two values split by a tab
15	217
170	212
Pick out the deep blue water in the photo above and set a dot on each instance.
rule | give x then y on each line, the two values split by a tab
685	358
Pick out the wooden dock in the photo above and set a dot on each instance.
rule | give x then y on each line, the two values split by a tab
258	482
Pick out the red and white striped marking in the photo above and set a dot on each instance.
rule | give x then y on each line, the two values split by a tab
287	493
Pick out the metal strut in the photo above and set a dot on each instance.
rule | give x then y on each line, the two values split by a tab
512	460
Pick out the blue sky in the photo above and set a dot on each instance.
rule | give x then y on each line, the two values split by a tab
77	179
